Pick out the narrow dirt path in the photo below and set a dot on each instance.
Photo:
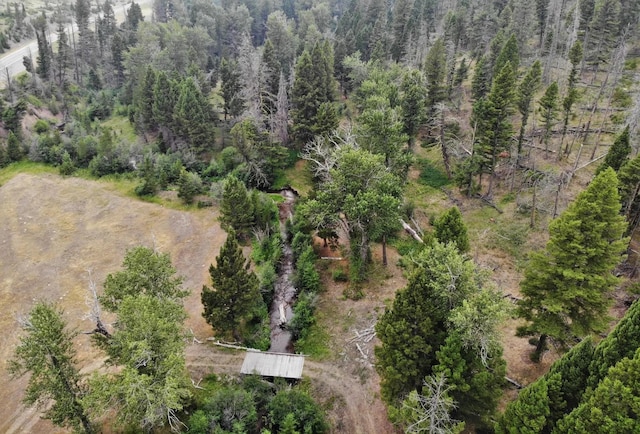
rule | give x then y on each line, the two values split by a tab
355	405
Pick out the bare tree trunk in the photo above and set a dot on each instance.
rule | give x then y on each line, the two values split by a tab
384	250
542	344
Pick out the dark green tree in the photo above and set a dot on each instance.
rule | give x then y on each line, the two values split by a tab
193	116
312	87
548	111
144	100
481	82
528	413
413	104
509	53
542	11
494	122
231	87
165	98
613	407
14	149
414	328
603	30
620	343
629	177
435	69
526	90
234	296
236	208
47	353
566	288
619	152
400	28
570	98
449	228
44	66
63	57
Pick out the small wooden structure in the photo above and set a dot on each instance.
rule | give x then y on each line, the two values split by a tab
273	364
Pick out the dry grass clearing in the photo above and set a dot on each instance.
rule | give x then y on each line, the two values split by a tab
54	230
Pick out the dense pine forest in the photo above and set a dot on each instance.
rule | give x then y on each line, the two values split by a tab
488	150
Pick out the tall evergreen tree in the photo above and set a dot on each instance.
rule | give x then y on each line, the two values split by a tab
603	29
231	88
63	56
575	57
629	176
528	413
413	104
236	208
144	100
48	354
622	342
307	95
400	28
548	110
508	53
193	116
526	90
414	328
619	152
481	81
234	295
165	98
566	288
613	406
435	68
495	128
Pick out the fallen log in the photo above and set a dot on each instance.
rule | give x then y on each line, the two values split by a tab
514	383
411	232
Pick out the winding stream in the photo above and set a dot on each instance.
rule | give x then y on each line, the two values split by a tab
285	292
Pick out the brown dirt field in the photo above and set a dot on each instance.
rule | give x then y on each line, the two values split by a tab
56	229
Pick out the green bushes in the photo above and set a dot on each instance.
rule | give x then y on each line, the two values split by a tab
254	404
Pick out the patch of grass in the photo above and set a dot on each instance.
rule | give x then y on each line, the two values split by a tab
123	129
277	198
431	175
510	237
316	343
6	173
406	245
299	178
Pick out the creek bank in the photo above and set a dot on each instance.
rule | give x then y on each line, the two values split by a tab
281	311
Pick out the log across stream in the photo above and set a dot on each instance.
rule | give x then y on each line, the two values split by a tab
281	310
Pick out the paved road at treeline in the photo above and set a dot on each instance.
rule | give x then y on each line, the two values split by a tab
11	61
